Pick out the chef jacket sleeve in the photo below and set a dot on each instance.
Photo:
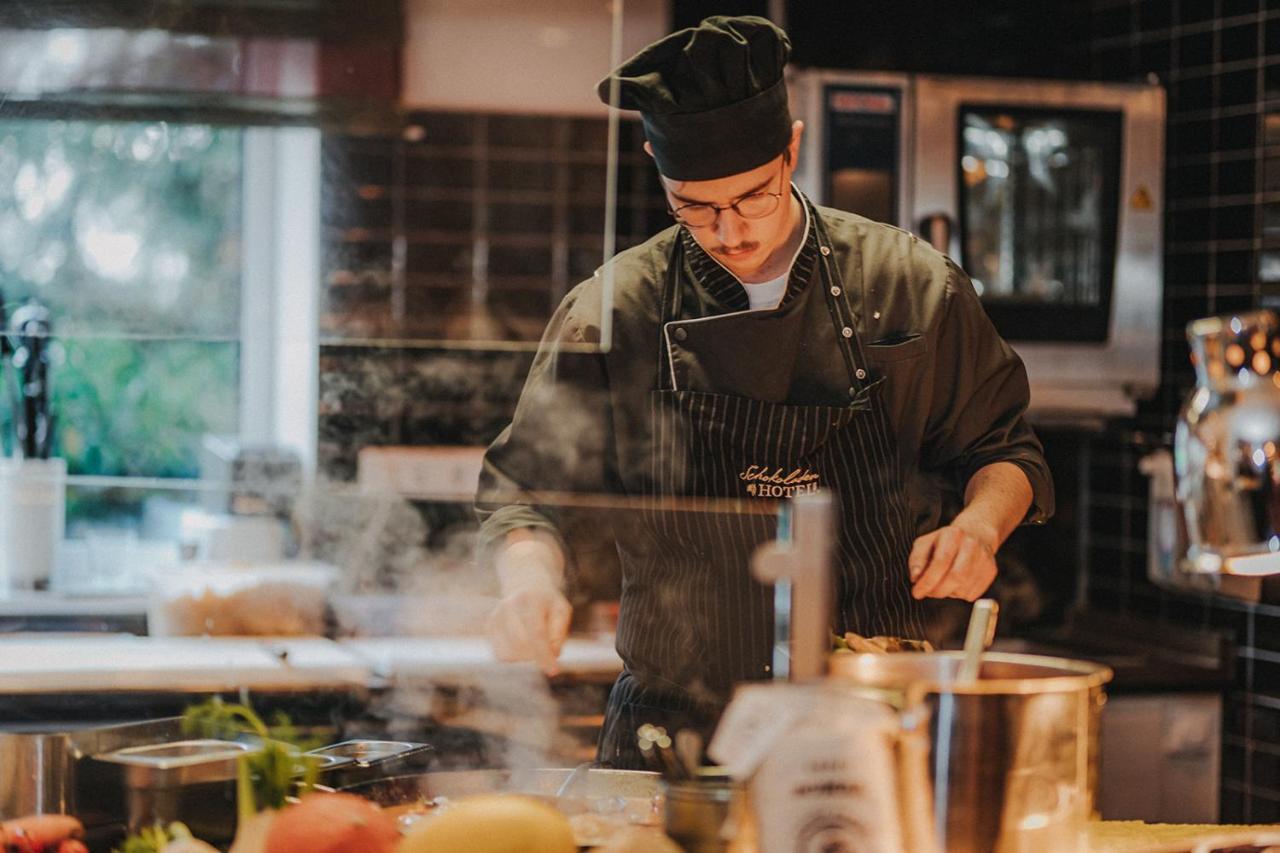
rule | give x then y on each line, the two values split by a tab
555	459
977	415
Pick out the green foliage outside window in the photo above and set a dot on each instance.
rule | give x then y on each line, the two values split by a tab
130	234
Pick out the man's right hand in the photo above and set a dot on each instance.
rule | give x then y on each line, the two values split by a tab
532	619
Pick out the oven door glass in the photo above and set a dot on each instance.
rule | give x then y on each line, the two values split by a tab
1039	195
861	146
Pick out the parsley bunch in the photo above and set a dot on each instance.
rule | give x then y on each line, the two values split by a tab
264	777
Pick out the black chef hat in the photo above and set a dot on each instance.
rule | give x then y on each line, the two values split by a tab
712	97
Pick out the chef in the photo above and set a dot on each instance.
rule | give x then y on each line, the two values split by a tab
761	346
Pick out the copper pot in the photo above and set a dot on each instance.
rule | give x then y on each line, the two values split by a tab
1012	757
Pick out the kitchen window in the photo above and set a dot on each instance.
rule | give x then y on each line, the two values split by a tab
174	240
129	233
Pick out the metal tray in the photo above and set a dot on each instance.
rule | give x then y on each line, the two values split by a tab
364	760
193	781
184	762
41	766
370	752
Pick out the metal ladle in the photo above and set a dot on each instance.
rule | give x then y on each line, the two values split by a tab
982	630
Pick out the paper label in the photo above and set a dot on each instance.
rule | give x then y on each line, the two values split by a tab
759	716
831	783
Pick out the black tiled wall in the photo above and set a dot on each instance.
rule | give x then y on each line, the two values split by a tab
459	230
1220	62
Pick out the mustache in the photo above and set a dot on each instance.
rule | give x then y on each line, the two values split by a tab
741	247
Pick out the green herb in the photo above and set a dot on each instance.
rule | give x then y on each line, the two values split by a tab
152	839
266	776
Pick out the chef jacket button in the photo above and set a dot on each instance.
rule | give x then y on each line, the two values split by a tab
835	290
826	250
847	332
860	373
681	334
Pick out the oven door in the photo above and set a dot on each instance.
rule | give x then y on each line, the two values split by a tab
1049	195
857	154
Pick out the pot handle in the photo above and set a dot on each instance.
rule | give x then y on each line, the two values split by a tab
915	784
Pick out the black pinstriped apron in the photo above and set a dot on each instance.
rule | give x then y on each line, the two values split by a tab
693	621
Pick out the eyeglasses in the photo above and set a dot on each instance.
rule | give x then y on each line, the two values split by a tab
753	206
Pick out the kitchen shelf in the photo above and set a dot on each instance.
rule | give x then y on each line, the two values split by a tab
381	192
515	239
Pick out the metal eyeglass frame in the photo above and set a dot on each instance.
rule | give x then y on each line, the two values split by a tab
718	209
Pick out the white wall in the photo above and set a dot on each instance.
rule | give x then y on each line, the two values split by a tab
539	56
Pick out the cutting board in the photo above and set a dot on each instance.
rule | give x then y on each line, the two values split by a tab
460	658
61	663
42	663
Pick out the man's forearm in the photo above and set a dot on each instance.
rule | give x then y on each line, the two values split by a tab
996	501
529	555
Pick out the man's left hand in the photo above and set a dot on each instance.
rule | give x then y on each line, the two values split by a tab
955	561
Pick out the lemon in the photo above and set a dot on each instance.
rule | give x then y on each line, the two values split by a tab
493	823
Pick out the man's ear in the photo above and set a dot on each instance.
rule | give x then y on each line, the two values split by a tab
797	131
648	149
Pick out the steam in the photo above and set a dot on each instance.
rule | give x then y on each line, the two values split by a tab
399	580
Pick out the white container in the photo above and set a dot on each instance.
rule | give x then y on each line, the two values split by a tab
33	520
235	538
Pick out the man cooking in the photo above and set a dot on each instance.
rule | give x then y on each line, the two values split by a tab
762	345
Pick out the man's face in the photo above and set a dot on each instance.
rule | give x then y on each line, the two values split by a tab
741	244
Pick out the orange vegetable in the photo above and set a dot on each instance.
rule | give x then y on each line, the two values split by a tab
332	823
36	832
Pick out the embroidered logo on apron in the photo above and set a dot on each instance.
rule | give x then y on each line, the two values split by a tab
765	482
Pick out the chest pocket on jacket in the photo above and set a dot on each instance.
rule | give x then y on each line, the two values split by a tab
897	349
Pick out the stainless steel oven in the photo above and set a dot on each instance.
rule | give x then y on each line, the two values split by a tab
1048	193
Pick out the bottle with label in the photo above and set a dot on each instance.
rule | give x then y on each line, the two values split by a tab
828	769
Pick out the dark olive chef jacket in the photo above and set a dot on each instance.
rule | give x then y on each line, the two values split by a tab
956	393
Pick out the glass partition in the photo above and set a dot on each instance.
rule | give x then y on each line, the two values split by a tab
282	312
263	315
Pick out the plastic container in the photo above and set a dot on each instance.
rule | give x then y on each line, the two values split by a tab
286	599
33	509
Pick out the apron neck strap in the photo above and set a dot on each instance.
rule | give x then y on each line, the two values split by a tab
669	306
829	279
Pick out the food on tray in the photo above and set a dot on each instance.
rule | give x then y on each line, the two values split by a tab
492	823
859	644
42	834
245	599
